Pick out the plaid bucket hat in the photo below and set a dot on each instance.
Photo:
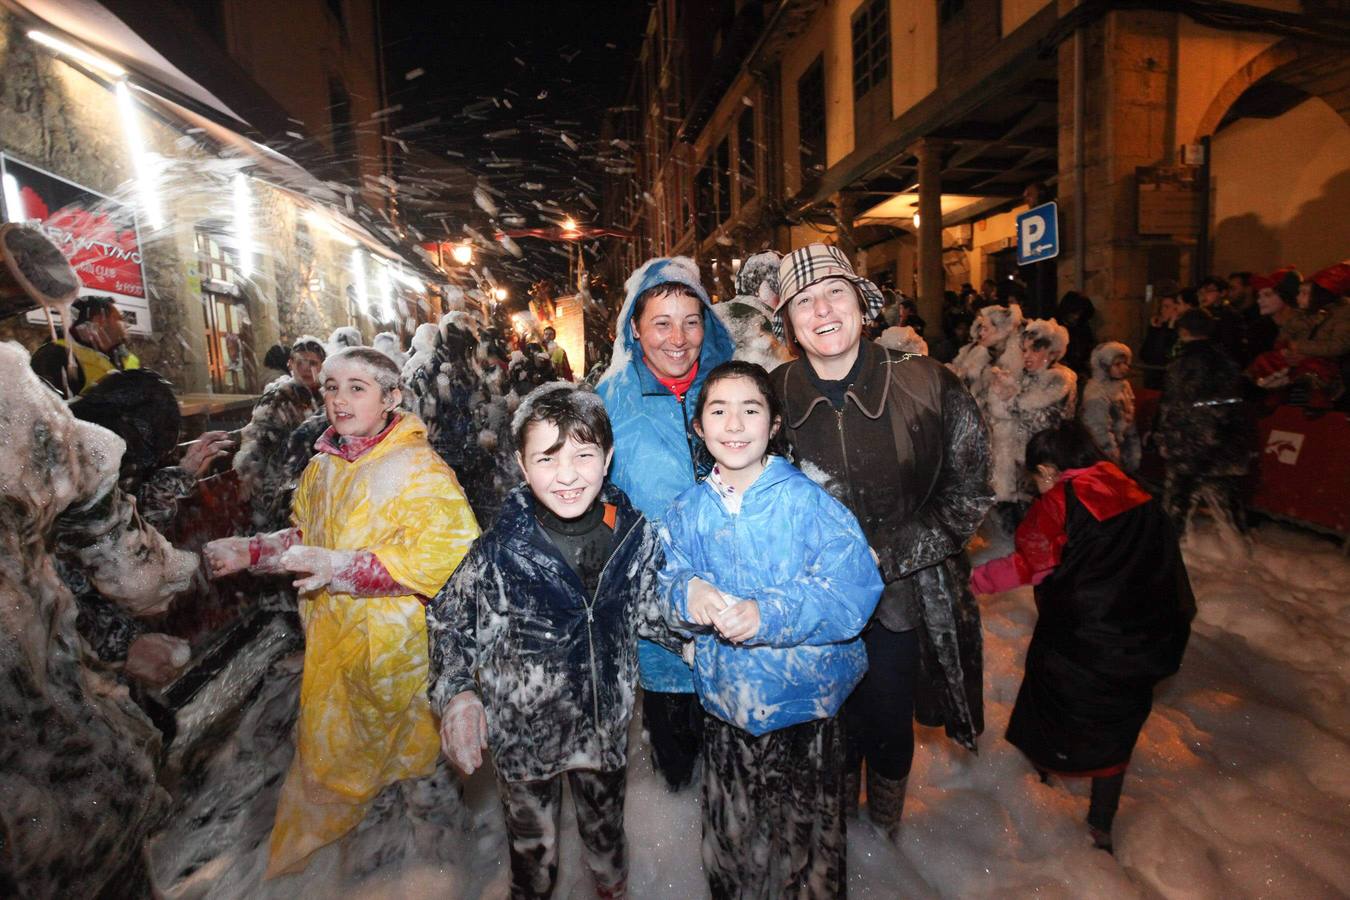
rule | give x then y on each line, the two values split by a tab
815	262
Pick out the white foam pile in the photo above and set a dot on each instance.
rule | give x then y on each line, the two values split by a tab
1240	785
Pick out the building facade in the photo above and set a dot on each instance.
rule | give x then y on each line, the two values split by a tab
909	133
215	245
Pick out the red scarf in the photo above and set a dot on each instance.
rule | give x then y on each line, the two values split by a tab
353	448
677	386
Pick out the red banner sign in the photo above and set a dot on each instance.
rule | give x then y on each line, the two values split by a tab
96	233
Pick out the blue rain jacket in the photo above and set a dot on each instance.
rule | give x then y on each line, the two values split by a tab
654	438
801	555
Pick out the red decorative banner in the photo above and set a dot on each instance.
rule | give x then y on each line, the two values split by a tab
96	233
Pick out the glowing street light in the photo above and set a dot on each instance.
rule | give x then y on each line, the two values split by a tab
916	220
500	293
569	225
462	254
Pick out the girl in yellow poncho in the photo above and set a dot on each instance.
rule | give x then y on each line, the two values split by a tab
380	522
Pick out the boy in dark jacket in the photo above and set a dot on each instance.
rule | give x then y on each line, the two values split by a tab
534	641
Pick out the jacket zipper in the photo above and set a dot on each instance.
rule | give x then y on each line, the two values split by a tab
843	456
590	622
688	442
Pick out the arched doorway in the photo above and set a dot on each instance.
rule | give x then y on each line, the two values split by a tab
1280	161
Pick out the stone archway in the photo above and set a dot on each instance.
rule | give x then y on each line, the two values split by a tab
1316	69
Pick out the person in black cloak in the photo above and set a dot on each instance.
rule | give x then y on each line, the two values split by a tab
1114	607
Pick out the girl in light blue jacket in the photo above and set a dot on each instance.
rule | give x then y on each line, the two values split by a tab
775	578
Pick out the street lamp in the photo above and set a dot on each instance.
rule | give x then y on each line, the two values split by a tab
462	254
500	294
569	225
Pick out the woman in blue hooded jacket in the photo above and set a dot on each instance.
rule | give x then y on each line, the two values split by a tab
668	340
776	579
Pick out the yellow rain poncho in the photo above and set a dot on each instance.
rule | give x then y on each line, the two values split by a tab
364	718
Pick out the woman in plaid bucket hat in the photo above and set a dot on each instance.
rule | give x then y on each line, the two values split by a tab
903	446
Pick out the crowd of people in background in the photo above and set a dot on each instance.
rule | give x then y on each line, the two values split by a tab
447	518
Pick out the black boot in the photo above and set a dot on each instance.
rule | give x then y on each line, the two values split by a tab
1102	809
886	802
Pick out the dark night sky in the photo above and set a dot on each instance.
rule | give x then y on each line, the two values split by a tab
515	92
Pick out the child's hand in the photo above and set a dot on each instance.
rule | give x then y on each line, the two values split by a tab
705	602
315	565
738	623
464	732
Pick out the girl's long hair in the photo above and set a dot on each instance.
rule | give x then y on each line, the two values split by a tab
736	368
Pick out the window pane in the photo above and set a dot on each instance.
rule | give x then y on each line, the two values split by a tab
723	162
871	47
811	132
745	155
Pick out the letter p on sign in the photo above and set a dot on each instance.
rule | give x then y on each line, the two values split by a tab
1034	231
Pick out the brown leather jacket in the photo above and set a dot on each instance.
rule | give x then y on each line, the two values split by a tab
909	454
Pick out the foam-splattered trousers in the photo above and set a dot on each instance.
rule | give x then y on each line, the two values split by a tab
533	810
773	810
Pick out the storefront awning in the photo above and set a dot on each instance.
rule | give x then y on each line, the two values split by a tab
93	25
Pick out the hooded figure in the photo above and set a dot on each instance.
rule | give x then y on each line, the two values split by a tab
344	337
1108	405
1039	396
995	341
749	315
447	392
389	344
79	788
651	406
995	354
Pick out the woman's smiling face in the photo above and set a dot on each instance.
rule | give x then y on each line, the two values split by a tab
670	332
827	318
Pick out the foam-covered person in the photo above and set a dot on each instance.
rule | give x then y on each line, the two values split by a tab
379	524
667	340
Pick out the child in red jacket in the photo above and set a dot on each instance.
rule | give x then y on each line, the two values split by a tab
1114	607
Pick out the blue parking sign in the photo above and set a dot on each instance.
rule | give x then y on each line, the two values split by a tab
1038	234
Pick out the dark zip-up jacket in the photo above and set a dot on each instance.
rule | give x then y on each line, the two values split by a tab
555	667
908	454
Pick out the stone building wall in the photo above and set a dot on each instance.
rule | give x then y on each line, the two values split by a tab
55	117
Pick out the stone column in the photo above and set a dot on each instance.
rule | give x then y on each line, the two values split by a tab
931	277
1130	112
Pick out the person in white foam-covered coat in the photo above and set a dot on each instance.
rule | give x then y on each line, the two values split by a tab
1107	409
77	756
1041	394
